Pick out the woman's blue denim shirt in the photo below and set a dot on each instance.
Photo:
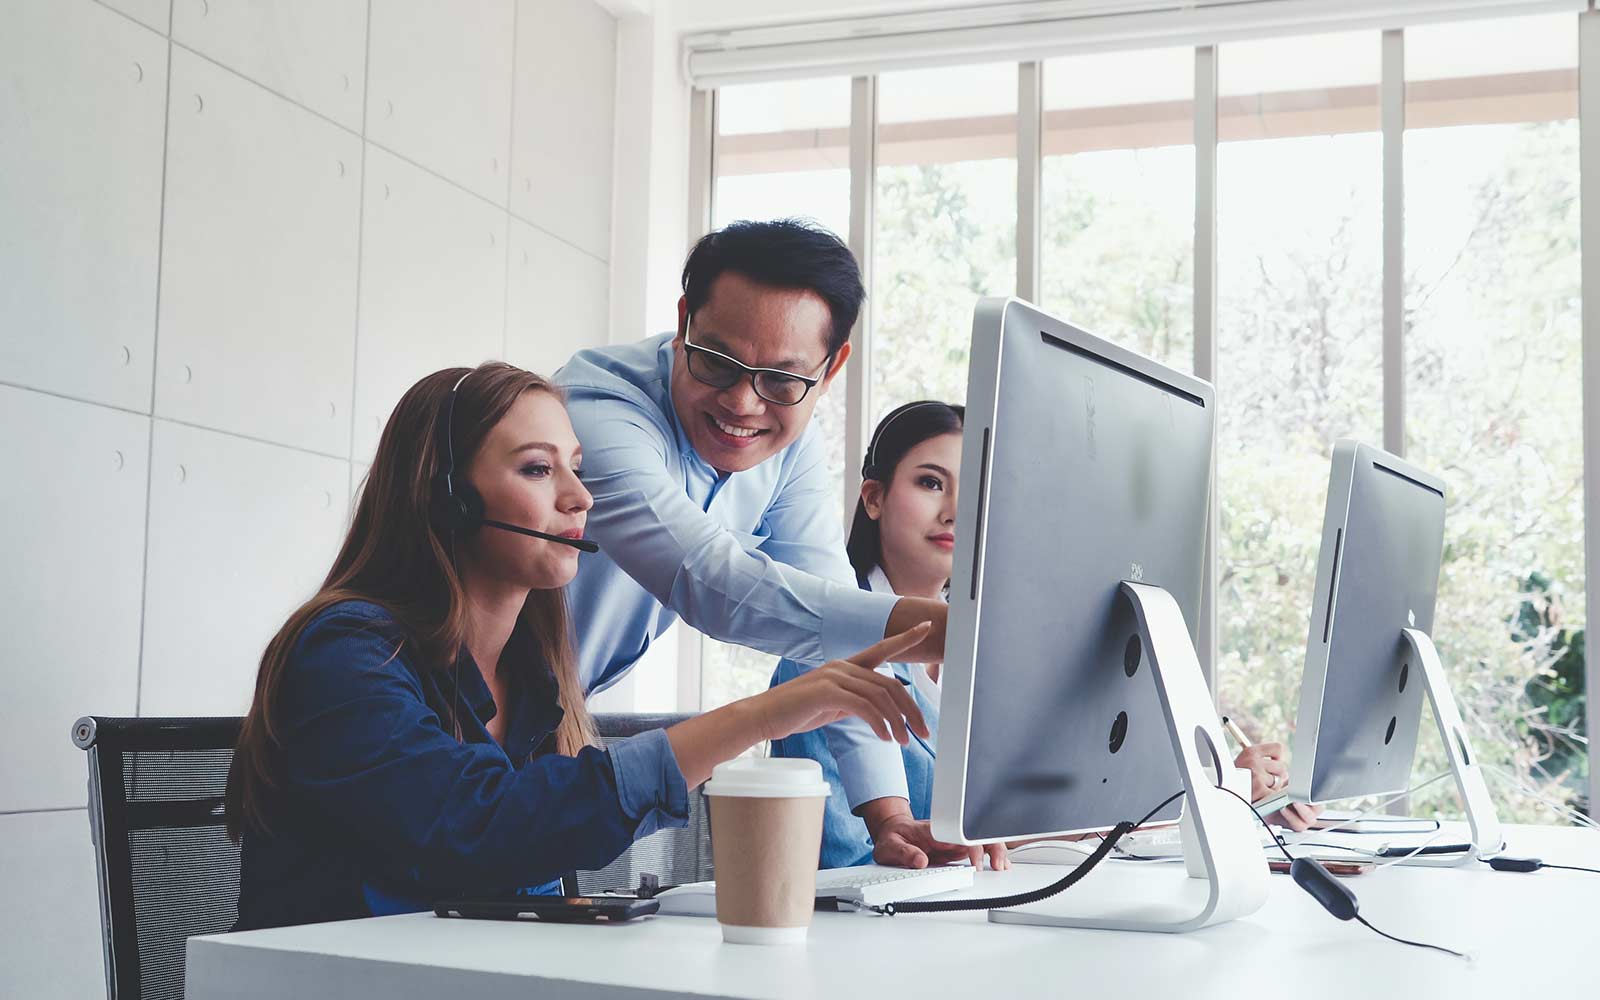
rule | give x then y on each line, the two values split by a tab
378	808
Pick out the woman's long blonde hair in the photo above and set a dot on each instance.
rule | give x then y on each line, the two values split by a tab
399	555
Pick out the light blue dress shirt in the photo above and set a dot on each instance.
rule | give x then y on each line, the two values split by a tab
755	558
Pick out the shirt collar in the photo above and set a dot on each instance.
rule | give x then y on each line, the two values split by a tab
666	358
878	581
535	693
473	690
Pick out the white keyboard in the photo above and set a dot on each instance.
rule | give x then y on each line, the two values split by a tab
1158	842
874	885
869	885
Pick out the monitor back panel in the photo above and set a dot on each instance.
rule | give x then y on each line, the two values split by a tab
1377	573
1083	465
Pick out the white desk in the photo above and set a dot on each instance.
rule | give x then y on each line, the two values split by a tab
1532	936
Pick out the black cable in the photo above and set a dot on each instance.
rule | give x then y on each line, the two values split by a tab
1415	944
1123	854
1107	843
1510	864
1033	895
1263	821
1359	919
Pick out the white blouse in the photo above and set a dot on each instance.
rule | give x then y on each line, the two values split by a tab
926	686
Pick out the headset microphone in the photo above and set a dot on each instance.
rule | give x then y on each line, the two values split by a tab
466	504
581	544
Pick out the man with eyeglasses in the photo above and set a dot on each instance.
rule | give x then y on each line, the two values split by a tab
711	498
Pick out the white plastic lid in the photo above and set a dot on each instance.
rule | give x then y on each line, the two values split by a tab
768	778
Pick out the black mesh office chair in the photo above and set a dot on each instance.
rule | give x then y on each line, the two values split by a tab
674	855
167	868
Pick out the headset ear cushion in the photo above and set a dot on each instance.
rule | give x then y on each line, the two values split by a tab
470	503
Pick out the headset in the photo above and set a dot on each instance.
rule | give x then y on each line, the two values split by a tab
464	504
869	468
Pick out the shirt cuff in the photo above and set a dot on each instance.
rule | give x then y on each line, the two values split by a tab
650	785
855	623
872	770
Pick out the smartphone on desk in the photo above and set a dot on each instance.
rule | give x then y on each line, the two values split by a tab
553	909
1345	868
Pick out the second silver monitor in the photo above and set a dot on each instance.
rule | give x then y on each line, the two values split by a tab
1377	573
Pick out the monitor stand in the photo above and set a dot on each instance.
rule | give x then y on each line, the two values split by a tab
1482	820
1226	874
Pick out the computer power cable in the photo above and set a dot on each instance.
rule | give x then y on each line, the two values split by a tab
1570	814
1369	815
1366	817
1034	895
1333	895
1500	863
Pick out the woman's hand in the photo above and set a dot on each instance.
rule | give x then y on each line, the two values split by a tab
844	688
902	841
1297	816
817	697
1269	775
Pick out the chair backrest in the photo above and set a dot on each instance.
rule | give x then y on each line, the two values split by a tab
674	855
167	868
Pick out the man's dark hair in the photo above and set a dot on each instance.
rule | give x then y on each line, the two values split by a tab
783	253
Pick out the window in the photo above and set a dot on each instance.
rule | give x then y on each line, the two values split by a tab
782	150
946	221
1117	252
1494	392
1490	318
1299	338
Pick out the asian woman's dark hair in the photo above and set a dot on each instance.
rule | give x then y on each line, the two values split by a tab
399	555
902	429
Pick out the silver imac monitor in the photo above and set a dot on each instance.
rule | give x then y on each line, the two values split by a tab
1370	657
1084	465
1377	575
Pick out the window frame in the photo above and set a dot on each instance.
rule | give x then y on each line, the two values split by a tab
1030	89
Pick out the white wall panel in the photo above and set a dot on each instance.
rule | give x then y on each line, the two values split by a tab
72	502
310	51
433	277
153	13
562	135
258	279
241	533
557	302
81	87
51	920
440	87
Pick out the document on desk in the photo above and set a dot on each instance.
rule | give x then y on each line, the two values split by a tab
1341	845
1344	821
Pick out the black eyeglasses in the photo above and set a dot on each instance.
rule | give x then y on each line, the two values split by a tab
772	384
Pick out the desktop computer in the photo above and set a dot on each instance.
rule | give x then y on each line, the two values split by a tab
1370	658
1072	695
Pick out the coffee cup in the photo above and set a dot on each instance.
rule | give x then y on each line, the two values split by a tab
766	834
